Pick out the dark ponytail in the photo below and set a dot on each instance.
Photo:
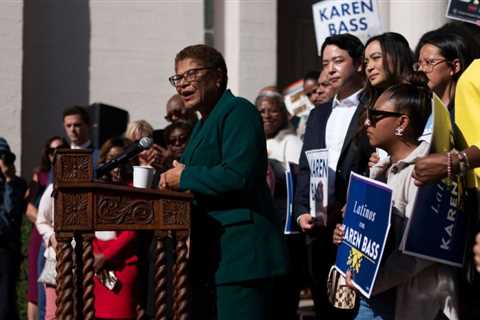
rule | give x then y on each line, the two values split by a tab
414	98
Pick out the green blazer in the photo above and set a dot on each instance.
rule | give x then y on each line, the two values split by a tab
234	234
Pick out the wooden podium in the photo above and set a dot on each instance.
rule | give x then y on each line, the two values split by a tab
83	206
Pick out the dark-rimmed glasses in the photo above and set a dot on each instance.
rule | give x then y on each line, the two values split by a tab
428	65
189	75
374	115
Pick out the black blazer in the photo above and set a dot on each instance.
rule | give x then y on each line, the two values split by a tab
354	155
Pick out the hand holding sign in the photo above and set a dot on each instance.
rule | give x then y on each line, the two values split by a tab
363	237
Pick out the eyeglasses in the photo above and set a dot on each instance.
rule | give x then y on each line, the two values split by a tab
374	115
428	64
180	140
189	75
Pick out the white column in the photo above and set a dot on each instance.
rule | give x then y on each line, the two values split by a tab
413	18
250	45
11	25
133	47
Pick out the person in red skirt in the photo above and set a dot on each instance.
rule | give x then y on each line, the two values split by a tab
115	254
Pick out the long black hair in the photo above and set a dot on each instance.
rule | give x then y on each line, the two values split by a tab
398	62
45	163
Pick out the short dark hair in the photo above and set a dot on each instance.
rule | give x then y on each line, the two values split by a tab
207	56
469	31
347	42
77	110
311	75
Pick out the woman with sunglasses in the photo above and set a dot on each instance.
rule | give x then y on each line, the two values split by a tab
236	248
406	287
40	179
388	60
176	138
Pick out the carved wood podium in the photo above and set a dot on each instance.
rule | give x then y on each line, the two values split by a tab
83	206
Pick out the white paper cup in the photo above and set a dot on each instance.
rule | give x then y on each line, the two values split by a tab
142	176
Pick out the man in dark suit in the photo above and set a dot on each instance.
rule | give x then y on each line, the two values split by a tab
76	123
335	126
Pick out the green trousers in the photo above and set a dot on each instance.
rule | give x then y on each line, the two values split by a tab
250	300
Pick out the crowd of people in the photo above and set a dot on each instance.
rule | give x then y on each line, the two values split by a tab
371	108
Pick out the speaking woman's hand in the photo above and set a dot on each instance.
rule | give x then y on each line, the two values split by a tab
171	179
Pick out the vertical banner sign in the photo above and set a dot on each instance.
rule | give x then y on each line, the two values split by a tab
367	221
358	17
437	226
289	221
464	10
318	163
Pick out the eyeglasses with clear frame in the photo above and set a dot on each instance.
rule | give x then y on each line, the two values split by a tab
189	75
428	65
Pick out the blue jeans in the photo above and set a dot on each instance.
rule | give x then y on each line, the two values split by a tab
40	286
381	307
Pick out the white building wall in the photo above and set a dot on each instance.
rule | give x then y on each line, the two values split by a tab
250	45
413	18
133	46
11	74
121	53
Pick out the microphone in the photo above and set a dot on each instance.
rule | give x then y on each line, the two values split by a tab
130	152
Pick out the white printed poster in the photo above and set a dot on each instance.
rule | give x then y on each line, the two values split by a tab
318	163
296	101
358	17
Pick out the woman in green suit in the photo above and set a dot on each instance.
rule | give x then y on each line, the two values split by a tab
236	248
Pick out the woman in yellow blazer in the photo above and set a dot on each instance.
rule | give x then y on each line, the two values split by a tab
236	248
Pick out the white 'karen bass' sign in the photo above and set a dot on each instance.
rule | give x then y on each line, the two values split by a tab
358	17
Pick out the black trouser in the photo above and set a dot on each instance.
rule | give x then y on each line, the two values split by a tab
321	253
286	289
9	269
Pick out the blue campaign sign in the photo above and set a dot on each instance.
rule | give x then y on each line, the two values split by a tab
367	221
438	209
436	228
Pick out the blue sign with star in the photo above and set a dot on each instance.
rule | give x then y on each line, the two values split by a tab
367	222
